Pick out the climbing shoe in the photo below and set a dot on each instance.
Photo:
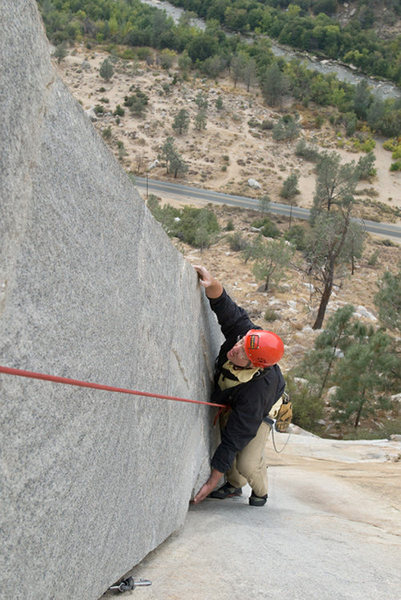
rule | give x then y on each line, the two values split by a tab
226	491
255	500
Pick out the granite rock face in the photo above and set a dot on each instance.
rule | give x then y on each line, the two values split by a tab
90	288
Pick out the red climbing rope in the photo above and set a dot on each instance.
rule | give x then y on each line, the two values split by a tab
97	386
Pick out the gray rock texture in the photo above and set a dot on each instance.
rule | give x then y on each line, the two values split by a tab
90	288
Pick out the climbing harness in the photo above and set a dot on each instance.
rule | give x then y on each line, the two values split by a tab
272	423
129	584
277	424
98	386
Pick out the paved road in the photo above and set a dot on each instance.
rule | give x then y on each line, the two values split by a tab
185	192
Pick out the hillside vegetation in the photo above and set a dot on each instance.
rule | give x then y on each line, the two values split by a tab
156	108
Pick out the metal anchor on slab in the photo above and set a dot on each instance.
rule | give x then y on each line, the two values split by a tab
129	584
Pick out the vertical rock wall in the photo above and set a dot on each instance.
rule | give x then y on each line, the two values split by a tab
90	288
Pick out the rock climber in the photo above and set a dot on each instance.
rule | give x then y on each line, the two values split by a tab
249	382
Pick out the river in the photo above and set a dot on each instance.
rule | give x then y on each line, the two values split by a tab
383	89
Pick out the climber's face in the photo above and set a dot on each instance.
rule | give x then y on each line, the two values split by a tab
237	354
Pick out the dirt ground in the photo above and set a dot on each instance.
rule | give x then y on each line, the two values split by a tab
229	151
374	467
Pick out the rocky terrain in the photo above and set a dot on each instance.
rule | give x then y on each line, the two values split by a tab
224	157
231	150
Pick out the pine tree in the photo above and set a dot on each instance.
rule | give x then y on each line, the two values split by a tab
271	260
181	121
318	364
290	187
388	299
175	164
328	247
364	378
200	120
106	70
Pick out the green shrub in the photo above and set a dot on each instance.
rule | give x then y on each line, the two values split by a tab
119	112
306	151
267	125
230	226
137	103
106	133
195	226
270	315
373	258
397	153
143	52
390	144
253	122
296	235
267	227
236	242
287	128
127	54
368	145
99	109
307	407
106	70
396	166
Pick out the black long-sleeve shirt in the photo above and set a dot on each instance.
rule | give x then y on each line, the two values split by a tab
251	401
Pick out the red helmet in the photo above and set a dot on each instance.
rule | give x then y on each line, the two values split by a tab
263	348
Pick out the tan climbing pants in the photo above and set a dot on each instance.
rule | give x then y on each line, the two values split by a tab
250	466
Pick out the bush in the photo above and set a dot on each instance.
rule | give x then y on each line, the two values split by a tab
307	408
388	243
287	128
99	109
270	230
373	258
197	227
289	188
143	53
296	235
350	122
307	152
267	125
106	70
267	228
194	226
363	145
236	242
390	144
396	166
167	58
106	133
253	122
366	167
270	315
397	153
137	103
119	112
